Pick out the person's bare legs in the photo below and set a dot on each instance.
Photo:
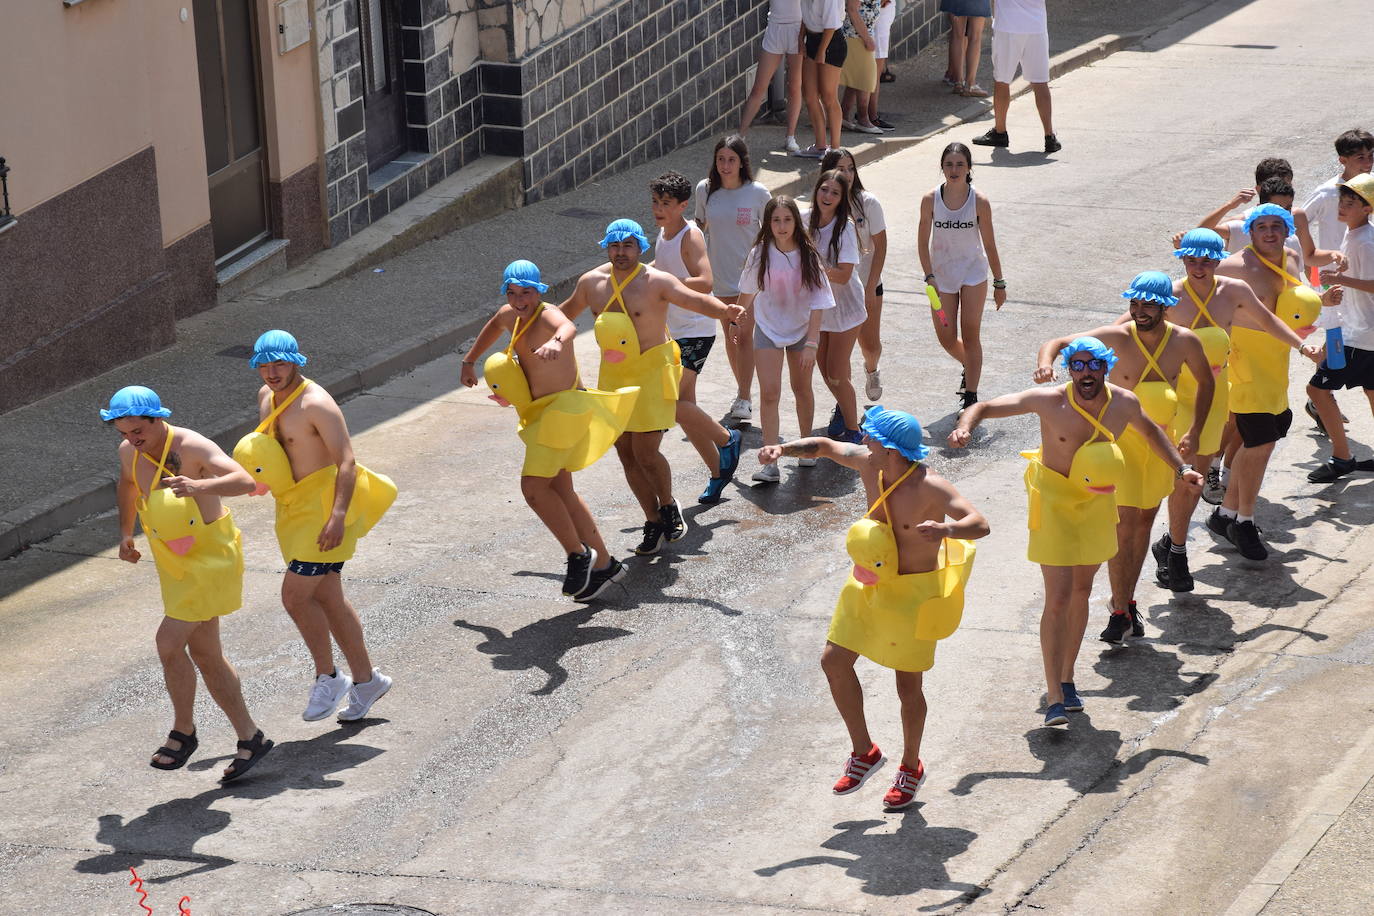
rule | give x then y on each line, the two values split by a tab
833	357
861	108
768	361
581	516
828	81
1065	617
1247	474
870	335
881	63
811	92
768	65
1183	502
649	456
222	681
913	699
298	596
973	50
548	504
954	71
1001	102
838	665
640	484
948	334
741	354
344	625
970	310
1132	543
705	434
1330	412
794	92
1041	92
802	393
180	677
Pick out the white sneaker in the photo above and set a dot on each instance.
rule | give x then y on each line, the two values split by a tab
806	462
867	129
741	410
790	145
326	696
873	385
362	696
769	473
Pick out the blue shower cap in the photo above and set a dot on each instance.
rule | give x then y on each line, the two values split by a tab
276	347
135	401
1152	286
1202	243
1092	345
1264	210
623	229
895	429
522	273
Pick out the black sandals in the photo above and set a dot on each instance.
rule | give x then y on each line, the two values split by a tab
189	743
239	765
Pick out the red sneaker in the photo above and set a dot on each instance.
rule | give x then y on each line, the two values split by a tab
857	769
903	791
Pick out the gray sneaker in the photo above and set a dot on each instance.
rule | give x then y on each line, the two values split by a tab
326	695
362	696
1213	492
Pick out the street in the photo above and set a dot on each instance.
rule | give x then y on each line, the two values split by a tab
673	747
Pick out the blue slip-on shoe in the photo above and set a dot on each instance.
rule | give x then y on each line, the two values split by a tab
1072	701
714	487
1055	715
729	455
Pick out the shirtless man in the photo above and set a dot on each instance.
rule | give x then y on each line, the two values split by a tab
1070	483
920	512
1273	184
1259	370
541	338
1210	306
625	286
1153	353
312	432
170	478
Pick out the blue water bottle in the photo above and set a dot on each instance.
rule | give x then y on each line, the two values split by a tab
1335	348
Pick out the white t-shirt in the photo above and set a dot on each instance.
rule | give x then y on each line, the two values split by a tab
1327	230
819	15
668	257
732	217
783	307
1357	306
849	297
869	222
1020	17
784	10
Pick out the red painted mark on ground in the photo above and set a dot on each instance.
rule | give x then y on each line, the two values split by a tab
137	884
184	906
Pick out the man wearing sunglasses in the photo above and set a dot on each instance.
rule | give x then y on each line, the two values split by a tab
1071	484
1153	354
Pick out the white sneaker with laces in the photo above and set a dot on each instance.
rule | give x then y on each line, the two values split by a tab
769	473
326	695
362	696
741	409
790	145
873	385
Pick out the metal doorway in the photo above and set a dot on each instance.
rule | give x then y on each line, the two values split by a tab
231	112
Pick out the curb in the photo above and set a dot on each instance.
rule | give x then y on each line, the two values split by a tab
41	519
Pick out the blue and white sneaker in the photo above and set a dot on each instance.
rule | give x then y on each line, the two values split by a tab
1055	715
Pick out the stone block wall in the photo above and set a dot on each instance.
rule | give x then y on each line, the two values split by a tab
919	24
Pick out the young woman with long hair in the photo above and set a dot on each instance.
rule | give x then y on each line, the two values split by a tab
956	245
871	226
831	229
784	289
729	209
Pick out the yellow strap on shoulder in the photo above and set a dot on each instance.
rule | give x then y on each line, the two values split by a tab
1096	421
267	425
160	464
1281	268
882	497
515	334
618	288
1201	305
1153	358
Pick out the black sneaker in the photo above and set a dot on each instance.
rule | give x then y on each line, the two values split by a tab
1118	625
1160	551
1137	621
1333	470
671	521
967	400
579	570
653	539
1246	538
1052	144
601	578
1220	525
963	383
1180	577
1317	419
993	137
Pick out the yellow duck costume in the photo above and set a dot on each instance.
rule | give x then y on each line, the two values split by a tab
891	618
1147	478
199	565
304	506
1072	520
1217	344
563	431
656	372
1259	362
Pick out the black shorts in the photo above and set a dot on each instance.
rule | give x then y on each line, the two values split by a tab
308	568
1358	372
1258	429
694	351
835	52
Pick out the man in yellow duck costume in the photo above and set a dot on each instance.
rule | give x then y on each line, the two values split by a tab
172	479
1272	266
1071	484
1153	355
329	501
630	301
912	554
565	427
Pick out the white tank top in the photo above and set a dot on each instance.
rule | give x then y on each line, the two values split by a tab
954	236
668	258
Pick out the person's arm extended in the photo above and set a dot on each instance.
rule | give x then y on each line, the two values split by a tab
698	265
490	333
1340	278
984	209
1008	405
1044	360
1251	313
965	522
329	423
563	332
840	273
222	475
848	454
1213	220
675	291
577	302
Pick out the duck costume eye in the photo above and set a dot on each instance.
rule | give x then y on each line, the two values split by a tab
257	470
